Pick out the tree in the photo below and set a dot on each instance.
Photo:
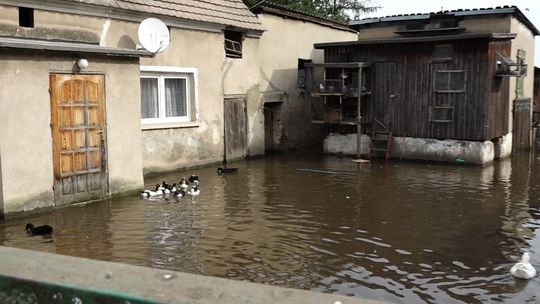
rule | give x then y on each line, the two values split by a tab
338	10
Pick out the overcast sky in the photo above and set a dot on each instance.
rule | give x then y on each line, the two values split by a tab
531	9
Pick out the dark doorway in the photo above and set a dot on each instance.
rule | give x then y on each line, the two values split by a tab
273	126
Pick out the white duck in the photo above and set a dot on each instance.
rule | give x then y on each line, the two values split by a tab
523	269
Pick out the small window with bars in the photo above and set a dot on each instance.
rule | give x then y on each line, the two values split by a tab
233	44
450	81
441	114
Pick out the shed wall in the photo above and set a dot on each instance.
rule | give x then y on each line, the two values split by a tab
415	69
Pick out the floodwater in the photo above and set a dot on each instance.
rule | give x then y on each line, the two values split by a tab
398	231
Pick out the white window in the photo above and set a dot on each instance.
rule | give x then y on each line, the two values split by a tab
168	95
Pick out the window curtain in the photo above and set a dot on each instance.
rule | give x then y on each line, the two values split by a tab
175	97
149	98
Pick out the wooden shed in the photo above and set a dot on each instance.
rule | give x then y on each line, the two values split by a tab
441	81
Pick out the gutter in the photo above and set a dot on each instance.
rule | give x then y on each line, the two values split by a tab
71	47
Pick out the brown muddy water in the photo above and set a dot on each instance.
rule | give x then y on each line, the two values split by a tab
398	231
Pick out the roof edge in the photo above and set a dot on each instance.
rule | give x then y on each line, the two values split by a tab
285	11
490	36
514	10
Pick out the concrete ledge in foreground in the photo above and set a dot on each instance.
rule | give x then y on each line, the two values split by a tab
36	277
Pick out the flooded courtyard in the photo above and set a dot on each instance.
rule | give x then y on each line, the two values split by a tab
398	231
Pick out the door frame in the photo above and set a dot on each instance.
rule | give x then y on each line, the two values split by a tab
59	197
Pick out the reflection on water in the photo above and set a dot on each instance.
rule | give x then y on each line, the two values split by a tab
403	232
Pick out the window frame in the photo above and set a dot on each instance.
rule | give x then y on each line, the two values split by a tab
449	90
191	96
233	44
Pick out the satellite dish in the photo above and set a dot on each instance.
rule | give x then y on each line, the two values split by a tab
154	35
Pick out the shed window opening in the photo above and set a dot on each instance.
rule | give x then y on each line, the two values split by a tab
449	81
443	52
441	114
233	44
414	26
443	23
26	17
165	98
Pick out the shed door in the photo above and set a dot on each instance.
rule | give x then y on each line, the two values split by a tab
235	128
522	124
78	124
384	93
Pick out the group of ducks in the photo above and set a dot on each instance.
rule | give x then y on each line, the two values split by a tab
183	188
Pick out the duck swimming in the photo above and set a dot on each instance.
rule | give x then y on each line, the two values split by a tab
179	193
194	179
183	184
194	191
523	269
221	171
173	188
149	193
39	230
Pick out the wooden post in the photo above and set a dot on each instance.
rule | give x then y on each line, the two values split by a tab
359	117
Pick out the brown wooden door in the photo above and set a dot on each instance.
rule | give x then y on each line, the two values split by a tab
522	124
78	125
235	128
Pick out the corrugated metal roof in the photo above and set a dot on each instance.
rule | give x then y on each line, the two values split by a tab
459	12
233	13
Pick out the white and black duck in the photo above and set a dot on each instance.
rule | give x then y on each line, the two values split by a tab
194	179
179	193
158	191
183	184
194	191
